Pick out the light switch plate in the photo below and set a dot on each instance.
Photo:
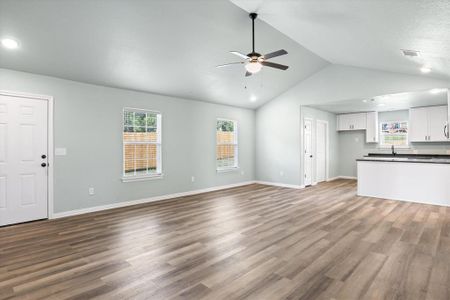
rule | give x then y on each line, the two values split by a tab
60	151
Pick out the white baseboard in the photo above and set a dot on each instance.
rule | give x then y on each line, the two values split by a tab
147	200
341	177
292	186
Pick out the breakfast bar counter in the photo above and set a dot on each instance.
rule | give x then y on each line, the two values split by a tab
414	178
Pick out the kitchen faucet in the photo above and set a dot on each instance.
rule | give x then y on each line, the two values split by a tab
393	150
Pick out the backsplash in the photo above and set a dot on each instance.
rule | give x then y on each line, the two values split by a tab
352	146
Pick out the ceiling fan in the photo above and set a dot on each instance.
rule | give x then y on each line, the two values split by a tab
255	61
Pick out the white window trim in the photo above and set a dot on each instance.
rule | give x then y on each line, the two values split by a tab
235	144
384	146
142	177
157	175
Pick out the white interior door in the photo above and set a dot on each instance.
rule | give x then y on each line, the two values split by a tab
321	150
23	159
308	151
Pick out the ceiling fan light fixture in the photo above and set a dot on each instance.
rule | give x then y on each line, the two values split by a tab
255	61
253	67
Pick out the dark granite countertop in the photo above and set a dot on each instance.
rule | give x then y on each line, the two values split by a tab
408	158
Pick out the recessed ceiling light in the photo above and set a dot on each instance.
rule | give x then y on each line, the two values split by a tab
365	101
10	43
253	98
381	104
425	70
437	91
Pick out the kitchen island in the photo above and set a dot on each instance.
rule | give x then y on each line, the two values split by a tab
415	178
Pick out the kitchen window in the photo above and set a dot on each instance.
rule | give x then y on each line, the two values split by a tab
141	138
226	145
394	133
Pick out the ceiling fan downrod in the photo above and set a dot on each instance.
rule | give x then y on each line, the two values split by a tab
253	17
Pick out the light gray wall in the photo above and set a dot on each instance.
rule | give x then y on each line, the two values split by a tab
316	114
278	122
88	120
352	144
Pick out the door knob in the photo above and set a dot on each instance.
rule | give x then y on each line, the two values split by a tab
43	156
43	165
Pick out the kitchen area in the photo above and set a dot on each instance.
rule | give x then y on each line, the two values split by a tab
397	146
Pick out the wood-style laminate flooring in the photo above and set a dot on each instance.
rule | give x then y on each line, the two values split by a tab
251	242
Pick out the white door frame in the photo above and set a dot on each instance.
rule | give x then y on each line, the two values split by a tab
327	149
50	154
313	145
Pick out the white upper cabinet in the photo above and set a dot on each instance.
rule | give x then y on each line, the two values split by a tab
359	121
351	121
427	124
418	124
447	128
372	127
437	119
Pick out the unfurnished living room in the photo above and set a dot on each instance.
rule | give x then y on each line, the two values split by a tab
225	149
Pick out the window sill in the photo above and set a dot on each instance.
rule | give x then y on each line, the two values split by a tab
226	170
142	178
397	147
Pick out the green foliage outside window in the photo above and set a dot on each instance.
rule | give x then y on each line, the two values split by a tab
140	122
223	125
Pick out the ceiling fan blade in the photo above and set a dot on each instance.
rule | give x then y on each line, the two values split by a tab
239	54
274	65
248	74
275	54
230	64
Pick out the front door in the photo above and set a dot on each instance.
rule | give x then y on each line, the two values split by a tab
23	159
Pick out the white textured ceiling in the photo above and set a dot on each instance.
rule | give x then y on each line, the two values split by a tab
389	102
167	46
365	33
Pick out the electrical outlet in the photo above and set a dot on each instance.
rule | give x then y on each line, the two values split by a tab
242	172
91	191
281	173
192	179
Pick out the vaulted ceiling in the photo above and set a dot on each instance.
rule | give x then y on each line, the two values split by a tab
169	47
366	33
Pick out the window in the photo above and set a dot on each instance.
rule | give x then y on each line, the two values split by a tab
226	144
394	133
141	143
